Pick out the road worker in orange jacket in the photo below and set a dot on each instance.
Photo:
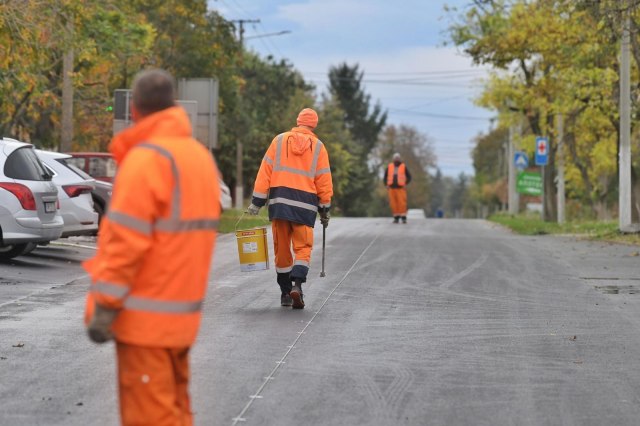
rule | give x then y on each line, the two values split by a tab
150	273
295	180
396	178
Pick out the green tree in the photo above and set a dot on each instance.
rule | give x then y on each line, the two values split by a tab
548	61
365	125
332	131
33	39
490	165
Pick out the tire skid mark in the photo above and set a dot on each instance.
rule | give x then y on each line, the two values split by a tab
402	385
374	397
384	404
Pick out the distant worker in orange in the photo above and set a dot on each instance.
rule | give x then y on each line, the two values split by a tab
147	289
295	181
396	178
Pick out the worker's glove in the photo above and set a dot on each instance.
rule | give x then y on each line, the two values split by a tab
253	209
99	327
324	216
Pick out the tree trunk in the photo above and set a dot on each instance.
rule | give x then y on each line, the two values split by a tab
550	195
66	136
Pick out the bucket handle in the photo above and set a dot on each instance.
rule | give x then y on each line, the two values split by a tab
239	219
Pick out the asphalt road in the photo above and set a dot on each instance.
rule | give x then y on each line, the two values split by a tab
437	322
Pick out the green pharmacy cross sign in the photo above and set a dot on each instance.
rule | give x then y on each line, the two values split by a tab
529	183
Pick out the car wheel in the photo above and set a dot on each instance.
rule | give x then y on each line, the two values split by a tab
13	250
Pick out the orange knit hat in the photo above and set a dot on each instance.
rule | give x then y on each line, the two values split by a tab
307	117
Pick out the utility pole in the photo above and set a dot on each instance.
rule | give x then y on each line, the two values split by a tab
66	133
239	148
560	160
624	165
511	183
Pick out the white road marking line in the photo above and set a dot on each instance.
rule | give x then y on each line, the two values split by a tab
239	417
466	271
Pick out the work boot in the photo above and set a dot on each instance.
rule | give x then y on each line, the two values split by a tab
404	219
285	300
297	297
396	219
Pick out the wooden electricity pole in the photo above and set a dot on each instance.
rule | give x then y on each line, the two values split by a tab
239	193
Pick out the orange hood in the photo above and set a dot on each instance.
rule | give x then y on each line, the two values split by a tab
301	141
170	122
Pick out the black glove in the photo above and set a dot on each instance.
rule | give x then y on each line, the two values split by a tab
324	216
99	327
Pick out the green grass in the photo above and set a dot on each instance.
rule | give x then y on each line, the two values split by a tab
595	230
229	220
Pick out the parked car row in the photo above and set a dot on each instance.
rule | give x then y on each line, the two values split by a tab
43	198
102	167
48	195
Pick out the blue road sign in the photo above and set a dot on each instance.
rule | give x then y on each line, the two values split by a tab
542	151
520	160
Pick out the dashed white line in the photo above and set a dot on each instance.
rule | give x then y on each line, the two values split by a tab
239	417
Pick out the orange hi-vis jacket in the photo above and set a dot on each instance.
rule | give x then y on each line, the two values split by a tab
400	174
156	242
294	177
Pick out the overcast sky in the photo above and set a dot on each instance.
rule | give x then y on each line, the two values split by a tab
400	47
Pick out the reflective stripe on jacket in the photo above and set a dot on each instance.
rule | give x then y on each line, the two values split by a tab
396	177
156	242
294	177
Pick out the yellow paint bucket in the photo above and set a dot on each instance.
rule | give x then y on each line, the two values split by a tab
253	248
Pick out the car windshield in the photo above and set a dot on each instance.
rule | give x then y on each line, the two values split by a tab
24	164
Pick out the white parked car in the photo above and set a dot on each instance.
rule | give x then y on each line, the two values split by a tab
101	194
74	192
28	200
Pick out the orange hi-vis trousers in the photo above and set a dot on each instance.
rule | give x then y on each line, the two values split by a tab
288	235
154	386
398	201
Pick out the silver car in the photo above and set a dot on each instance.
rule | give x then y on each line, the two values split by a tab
74	192
28	200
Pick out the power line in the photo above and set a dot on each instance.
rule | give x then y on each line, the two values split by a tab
400	83
270	41
443	116
230	6
262	41
444	72
242	9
